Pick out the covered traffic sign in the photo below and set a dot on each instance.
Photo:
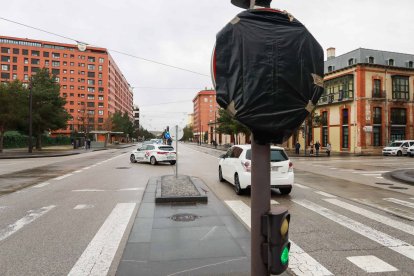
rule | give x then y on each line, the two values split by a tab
267	69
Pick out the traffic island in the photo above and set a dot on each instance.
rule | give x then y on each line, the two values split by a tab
405	176
181	188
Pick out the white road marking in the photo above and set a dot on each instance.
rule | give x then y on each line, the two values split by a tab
401	202
63	176
301	186
395	211
88	190
29	218
98	256
325	194
371	264
380	177
241	209
273	202
371	215
78	171
371	174
333	168
86	168
301	263
131	189
83	206
209	233
381	238
41	185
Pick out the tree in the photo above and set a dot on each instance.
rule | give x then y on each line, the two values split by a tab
13	107
142	132
122	123
188	133
228	125
49	111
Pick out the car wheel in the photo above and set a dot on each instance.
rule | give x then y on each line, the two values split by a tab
221	179
411	155
399	153
285	191
237	187
153	161
132	158
172	162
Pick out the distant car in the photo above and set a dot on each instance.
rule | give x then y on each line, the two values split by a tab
235	167
410	151
398	148
147	142
156	141
153	154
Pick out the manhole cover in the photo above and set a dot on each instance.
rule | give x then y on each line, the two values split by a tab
184	217
379	183
399	188
123	168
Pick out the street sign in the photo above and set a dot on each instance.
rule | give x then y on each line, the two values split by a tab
176	135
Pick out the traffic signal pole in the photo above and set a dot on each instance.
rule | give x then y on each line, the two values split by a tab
260	204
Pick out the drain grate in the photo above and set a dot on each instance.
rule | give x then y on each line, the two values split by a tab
399	188
122	168
184	217
379	183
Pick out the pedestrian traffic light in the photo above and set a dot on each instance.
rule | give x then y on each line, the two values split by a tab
275	227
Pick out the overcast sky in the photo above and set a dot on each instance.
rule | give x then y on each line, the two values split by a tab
182	33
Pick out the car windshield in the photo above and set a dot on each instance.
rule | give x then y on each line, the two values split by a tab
166	148
276	155
395	144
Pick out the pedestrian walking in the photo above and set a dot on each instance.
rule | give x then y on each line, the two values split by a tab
297	147
311	149
317	147
328	149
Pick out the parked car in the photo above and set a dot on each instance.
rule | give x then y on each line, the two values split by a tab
398	148
235	167
156	141
410	151
154	153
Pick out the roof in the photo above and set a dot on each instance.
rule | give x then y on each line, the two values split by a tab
204	92
361	55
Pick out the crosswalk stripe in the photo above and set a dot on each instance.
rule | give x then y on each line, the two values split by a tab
98	256
325	194
395	211
371	215
401	202
83	206
41	185
371	264
300	262
29	218
392	243
301	186
63	176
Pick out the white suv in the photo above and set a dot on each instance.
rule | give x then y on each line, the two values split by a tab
154	153
410	151
398	148
235	167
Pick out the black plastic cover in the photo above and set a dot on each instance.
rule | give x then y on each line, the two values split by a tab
268	72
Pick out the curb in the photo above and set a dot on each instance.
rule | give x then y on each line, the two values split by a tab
400	175
38	156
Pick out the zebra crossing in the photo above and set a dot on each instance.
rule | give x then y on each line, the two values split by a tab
303	263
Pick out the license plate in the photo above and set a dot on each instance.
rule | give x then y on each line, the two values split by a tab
275	169
170	157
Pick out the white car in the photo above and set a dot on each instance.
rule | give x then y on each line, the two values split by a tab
235	167
154	153
410	151
398	148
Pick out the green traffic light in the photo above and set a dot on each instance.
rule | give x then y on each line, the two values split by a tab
284	258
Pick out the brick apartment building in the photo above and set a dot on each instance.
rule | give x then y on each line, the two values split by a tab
90	80
205	112
367	101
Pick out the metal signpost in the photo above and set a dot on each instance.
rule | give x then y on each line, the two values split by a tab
176	134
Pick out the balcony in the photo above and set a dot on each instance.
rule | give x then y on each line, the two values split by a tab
378	94
341	96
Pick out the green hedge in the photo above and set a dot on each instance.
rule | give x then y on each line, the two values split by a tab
14	139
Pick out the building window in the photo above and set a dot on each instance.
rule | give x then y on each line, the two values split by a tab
91	59
351	61
410	64
400	87
101	60
26	61
14	67
100	98
5	67
35	53
91	74
377	139
91	97
37	69
25	52
5	50
46	63
398	116
331	68
45	54
371	60
35	61
14	59
91	89
5	58
100	112
376	92
338	89
91	67
100	75
324	123
72	64
55	55
100	67
16	51
55	63
26	69
5	75
15	76
377	115
91	82
391	62
26	77
345	129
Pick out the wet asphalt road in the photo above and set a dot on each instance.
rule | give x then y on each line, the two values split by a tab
76	206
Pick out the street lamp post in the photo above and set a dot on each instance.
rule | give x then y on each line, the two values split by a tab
30	117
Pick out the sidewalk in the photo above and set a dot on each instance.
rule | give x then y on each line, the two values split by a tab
185	238
53	151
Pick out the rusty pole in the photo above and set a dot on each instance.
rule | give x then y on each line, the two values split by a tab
260	196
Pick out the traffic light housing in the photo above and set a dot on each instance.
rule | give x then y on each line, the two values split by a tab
275	227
